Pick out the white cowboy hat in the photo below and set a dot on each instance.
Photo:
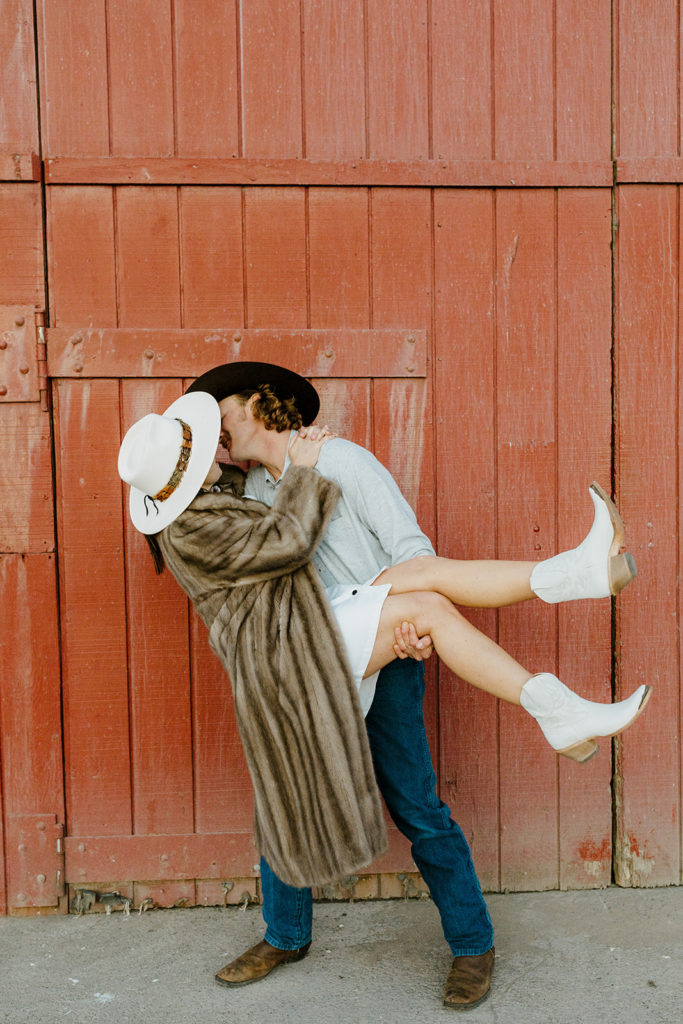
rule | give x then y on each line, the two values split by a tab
166	459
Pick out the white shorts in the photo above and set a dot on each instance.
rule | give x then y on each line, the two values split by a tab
357	607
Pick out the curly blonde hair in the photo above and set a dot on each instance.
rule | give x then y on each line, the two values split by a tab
275	413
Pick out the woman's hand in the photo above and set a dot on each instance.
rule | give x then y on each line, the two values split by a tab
304	449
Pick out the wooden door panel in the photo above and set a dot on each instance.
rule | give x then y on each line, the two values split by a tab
93	608
522	327
648	388
158	662
178	770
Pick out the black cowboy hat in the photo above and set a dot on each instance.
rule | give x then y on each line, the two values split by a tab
231	378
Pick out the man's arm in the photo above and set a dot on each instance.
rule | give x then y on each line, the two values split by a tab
373	495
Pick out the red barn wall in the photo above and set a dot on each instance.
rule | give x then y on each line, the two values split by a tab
432	210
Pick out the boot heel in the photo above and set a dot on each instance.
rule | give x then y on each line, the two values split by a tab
622	569
580	752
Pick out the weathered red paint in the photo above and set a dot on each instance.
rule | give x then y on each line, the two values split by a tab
298	179
589	850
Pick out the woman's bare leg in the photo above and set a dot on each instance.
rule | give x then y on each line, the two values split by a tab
594	569
569	723
473	584
467	652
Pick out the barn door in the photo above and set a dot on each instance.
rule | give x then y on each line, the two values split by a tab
156	785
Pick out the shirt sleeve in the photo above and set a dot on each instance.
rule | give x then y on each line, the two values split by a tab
235	540
372	494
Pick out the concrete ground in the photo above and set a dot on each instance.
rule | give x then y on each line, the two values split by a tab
611	956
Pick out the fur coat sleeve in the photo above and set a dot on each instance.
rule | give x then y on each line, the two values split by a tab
317	810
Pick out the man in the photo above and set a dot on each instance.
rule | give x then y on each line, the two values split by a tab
261	404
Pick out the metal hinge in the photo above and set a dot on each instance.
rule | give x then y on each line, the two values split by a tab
41	361
23	367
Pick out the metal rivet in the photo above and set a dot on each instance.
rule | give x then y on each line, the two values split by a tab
41	879
20	321
410	339
24	368
537	547
237	337
21	847
78	368
3	389
410	369
77	340
537	529
329	354
164	856
41	826
3	343
148	354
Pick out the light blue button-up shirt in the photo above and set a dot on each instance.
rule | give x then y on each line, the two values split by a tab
373	525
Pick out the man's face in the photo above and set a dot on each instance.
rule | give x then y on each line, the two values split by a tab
239	429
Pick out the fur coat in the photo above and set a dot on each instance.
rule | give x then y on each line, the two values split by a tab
247	569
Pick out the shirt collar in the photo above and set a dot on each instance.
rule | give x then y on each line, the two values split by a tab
270	479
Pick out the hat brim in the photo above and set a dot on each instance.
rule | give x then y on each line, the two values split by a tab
201	413
231	378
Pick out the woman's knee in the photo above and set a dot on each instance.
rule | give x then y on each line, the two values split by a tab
435	606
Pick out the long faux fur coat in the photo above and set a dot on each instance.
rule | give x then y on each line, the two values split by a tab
246	567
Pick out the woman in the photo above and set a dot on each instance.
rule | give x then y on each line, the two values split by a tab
247	569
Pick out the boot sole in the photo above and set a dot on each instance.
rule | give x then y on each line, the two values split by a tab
586	749
621	567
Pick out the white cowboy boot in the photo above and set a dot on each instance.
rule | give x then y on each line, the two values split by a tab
570	723
595	568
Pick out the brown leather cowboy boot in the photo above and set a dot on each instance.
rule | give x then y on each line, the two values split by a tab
257	962
469	981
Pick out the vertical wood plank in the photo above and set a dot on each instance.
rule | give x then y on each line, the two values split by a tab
647	797
30	713
271	78
584	80
74	75
346	406
141	87
401	255
461	80
465	439
205	39
338	257
19	107
81	258
398	89
647	79
401	268
3	868
275	258
158	662
526	453
211	257
148	273
584	425
334	79
93	608
21	246
27	517
524	80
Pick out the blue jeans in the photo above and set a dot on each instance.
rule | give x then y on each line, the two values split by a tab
406	778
